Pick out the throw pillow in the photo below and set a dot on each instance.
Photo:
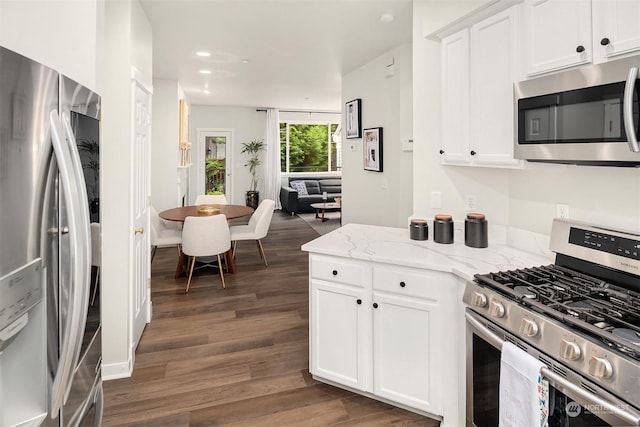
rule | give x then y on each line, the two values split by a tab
300	187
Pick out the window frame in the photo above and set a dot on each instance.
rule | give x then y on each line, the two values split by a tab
329	141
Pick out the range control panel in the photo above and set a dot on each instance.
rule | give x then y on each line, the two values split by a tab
603	242
20	290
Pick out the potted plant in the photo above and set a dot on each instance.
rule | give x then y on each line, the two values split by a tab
253	149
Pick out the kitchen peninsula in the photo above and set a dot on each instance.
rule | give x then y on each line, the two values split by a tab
386	316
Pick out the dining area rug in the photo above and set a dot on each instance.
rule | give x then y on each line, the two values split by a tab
332	221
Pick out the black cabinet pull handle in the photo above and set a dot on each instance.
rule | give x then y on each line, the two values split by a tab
335	272
605	41
375	305
580	49
402	284
473	153
441	151
359	301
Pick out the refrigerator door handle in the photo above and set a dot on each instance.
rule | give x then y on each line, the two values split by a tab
78	233
83	290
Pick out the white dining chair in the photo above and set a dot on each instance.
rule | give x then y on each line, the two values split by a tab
211	199
163	233
256	229
205	236
96	256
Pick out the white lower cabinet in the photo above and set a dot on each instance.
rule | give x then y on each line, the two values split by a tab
403	351
386	334
339	335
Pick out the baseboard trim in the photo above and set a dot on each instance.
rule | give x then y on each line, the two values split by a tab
114	371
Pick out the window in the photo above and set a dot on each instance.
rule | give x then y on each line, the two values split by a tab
310	147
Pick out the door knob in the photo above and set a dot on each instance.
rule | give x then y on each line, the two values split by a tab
138	230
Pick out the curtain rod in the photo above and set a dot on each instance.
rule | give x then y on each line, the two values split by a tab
302	111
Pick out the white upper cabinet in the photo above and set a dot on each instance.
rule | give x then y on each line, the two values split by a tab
479	67
565	33
494	69
616	28
455	98
557	34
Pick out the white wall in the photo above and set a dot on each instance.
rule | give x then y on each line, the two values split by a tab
62	34
524	199
246	124
165	126
380	198
127	37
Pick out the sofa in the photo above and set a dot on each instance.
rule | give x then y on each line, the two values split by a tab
300	192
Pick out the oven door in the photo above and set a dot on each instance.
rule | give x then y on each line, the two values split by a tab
573	400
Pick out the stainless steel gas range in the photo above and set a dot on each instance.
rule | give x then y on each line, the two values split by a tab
580	316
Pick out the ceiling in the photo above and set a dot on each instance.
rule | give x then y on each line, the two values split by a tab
287	54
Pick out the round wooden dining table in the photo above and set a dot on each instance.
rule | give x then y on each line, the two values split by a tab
179	214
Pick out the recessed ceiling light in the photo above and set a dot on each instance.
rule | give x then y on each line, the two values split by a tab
386	17
206	92
205	71
203	53
245	61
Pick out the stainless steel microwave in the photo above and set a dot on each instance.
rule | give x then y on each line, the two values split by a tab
588	115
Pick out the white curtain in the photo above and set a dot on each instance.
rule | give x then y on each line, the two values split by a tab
272	165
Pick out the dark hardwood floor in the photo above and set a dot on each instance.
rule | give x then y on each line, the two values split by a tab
237	356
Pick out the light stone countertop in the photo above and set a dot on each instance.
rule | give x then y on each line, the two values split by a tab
393	246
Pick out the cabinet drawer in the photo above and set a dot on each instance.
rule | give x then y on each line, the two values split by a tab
407	282
338	270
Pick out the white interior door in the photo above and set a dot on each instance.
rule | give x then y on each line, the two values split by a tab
214	144
140	249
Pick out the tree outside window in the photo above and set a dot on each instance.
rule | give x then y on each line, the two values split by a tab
309	148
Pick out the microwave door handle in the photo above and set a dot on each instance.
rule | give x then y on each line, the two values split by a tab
64	371
616	408
627	109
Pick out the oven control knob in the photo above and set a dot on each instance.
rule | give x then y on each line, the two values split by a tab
496	309
569	350
600	367
529	327
478	299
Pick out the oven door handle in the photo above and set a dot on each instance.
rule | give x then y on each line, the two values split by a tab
628	417
627	110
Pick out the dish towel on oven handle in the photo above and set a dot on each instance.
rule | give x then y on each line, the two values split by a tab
524	394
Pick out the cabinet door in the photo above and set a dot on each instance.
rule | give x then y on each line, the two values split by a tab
494	69
455	98
616	28
339	343
404	354
557	34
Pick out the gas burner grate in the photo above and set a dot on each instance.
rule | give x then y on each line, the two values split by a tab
574	298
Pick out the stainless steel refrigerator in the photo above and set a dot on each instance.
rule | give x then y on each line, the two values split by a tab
50	334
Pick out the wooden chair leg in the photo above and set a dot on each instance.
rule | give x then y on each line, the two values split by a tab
221	272
262	254
233	252
153	252
192	264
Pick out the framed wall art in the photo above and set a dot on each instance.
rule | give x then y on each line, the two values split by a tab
353	119
372	149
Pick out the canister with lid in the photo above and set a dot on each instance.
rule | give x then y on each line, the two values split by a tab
476	230
443	228
419	229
